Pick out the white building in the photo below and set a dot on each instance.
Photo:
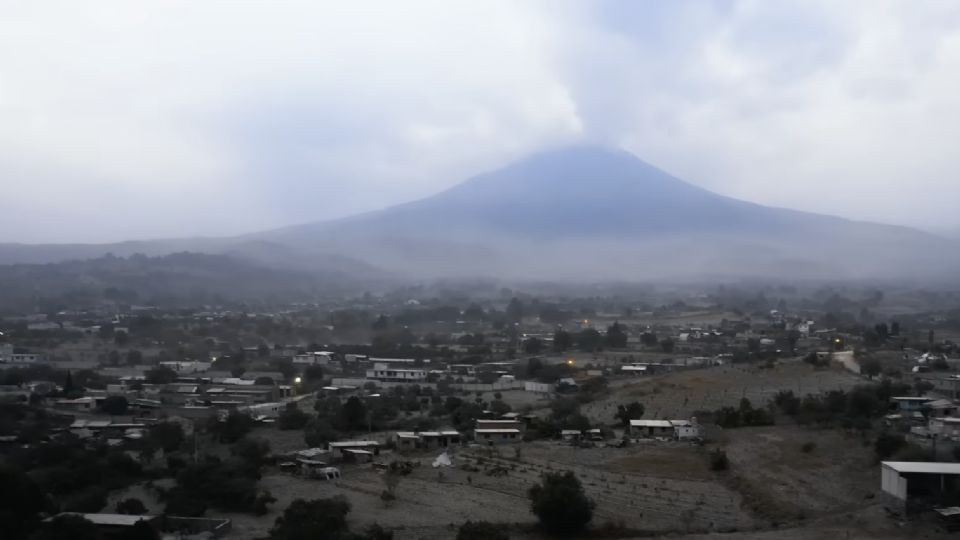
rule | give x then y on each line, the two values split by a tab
7	356
538	387
497	436
187	366
684	430
321	358
389	373
651	428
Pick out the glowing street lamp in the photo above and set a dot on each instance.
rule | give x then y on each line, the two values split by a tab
297	380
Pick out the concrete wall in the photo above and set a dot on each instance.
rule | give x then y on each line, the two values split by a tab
346	381
542	388
477	387
893	484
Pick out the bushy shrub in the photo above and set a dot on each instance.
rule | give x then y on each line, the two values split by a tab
561	504
719	460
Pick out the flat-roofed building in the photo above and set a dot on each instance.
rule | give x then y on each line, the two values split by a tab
651	428
914	486
497	436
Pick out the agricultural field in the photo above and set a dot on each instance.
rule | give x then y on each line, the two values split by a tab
681	394
783	481
653	488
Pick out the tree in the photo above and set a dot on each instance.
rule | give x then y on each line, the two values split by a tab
234	427
319	519
134	357
499	407
68	386
589	340
115	405
871	368
561	504
253	450
481	530
562	340
391	479
473	313
628	412
166	435
887	444
719	460
229	485
532	346
292	417
667	345
514	311
131	506
534	365
21	502
161	375
318	432
382	324
616	337
353	414
313	373
649	339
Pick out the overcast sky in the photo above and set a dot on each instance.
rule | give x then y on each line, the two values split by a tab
135	119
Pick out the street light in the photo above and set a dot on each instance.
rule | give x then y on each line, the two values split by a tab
297	380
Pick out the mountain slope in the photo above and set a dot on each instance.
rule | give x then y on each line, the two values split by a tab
593	213
580	213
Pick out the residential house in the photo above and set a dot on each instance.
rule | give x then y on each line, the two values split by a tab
505	423
385	372
320	358
909	404
684	430
361	451
493	436
651	428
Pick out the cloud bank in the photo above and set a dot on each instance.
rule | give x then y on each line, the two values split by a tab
157	119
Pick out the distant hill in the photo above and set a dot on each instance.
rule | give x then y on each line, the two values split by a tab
171	280
582	214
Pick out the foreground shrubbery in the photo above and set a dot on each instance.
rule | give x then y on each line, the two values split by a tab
321	519
743	416
560	504
856	408
481	530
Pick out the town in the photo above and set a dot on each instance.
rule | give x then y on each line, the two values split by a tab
487	413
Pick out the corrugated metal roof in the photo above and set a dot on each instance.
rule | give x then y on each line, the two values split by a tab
112	519
348	444
651	423
923	467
